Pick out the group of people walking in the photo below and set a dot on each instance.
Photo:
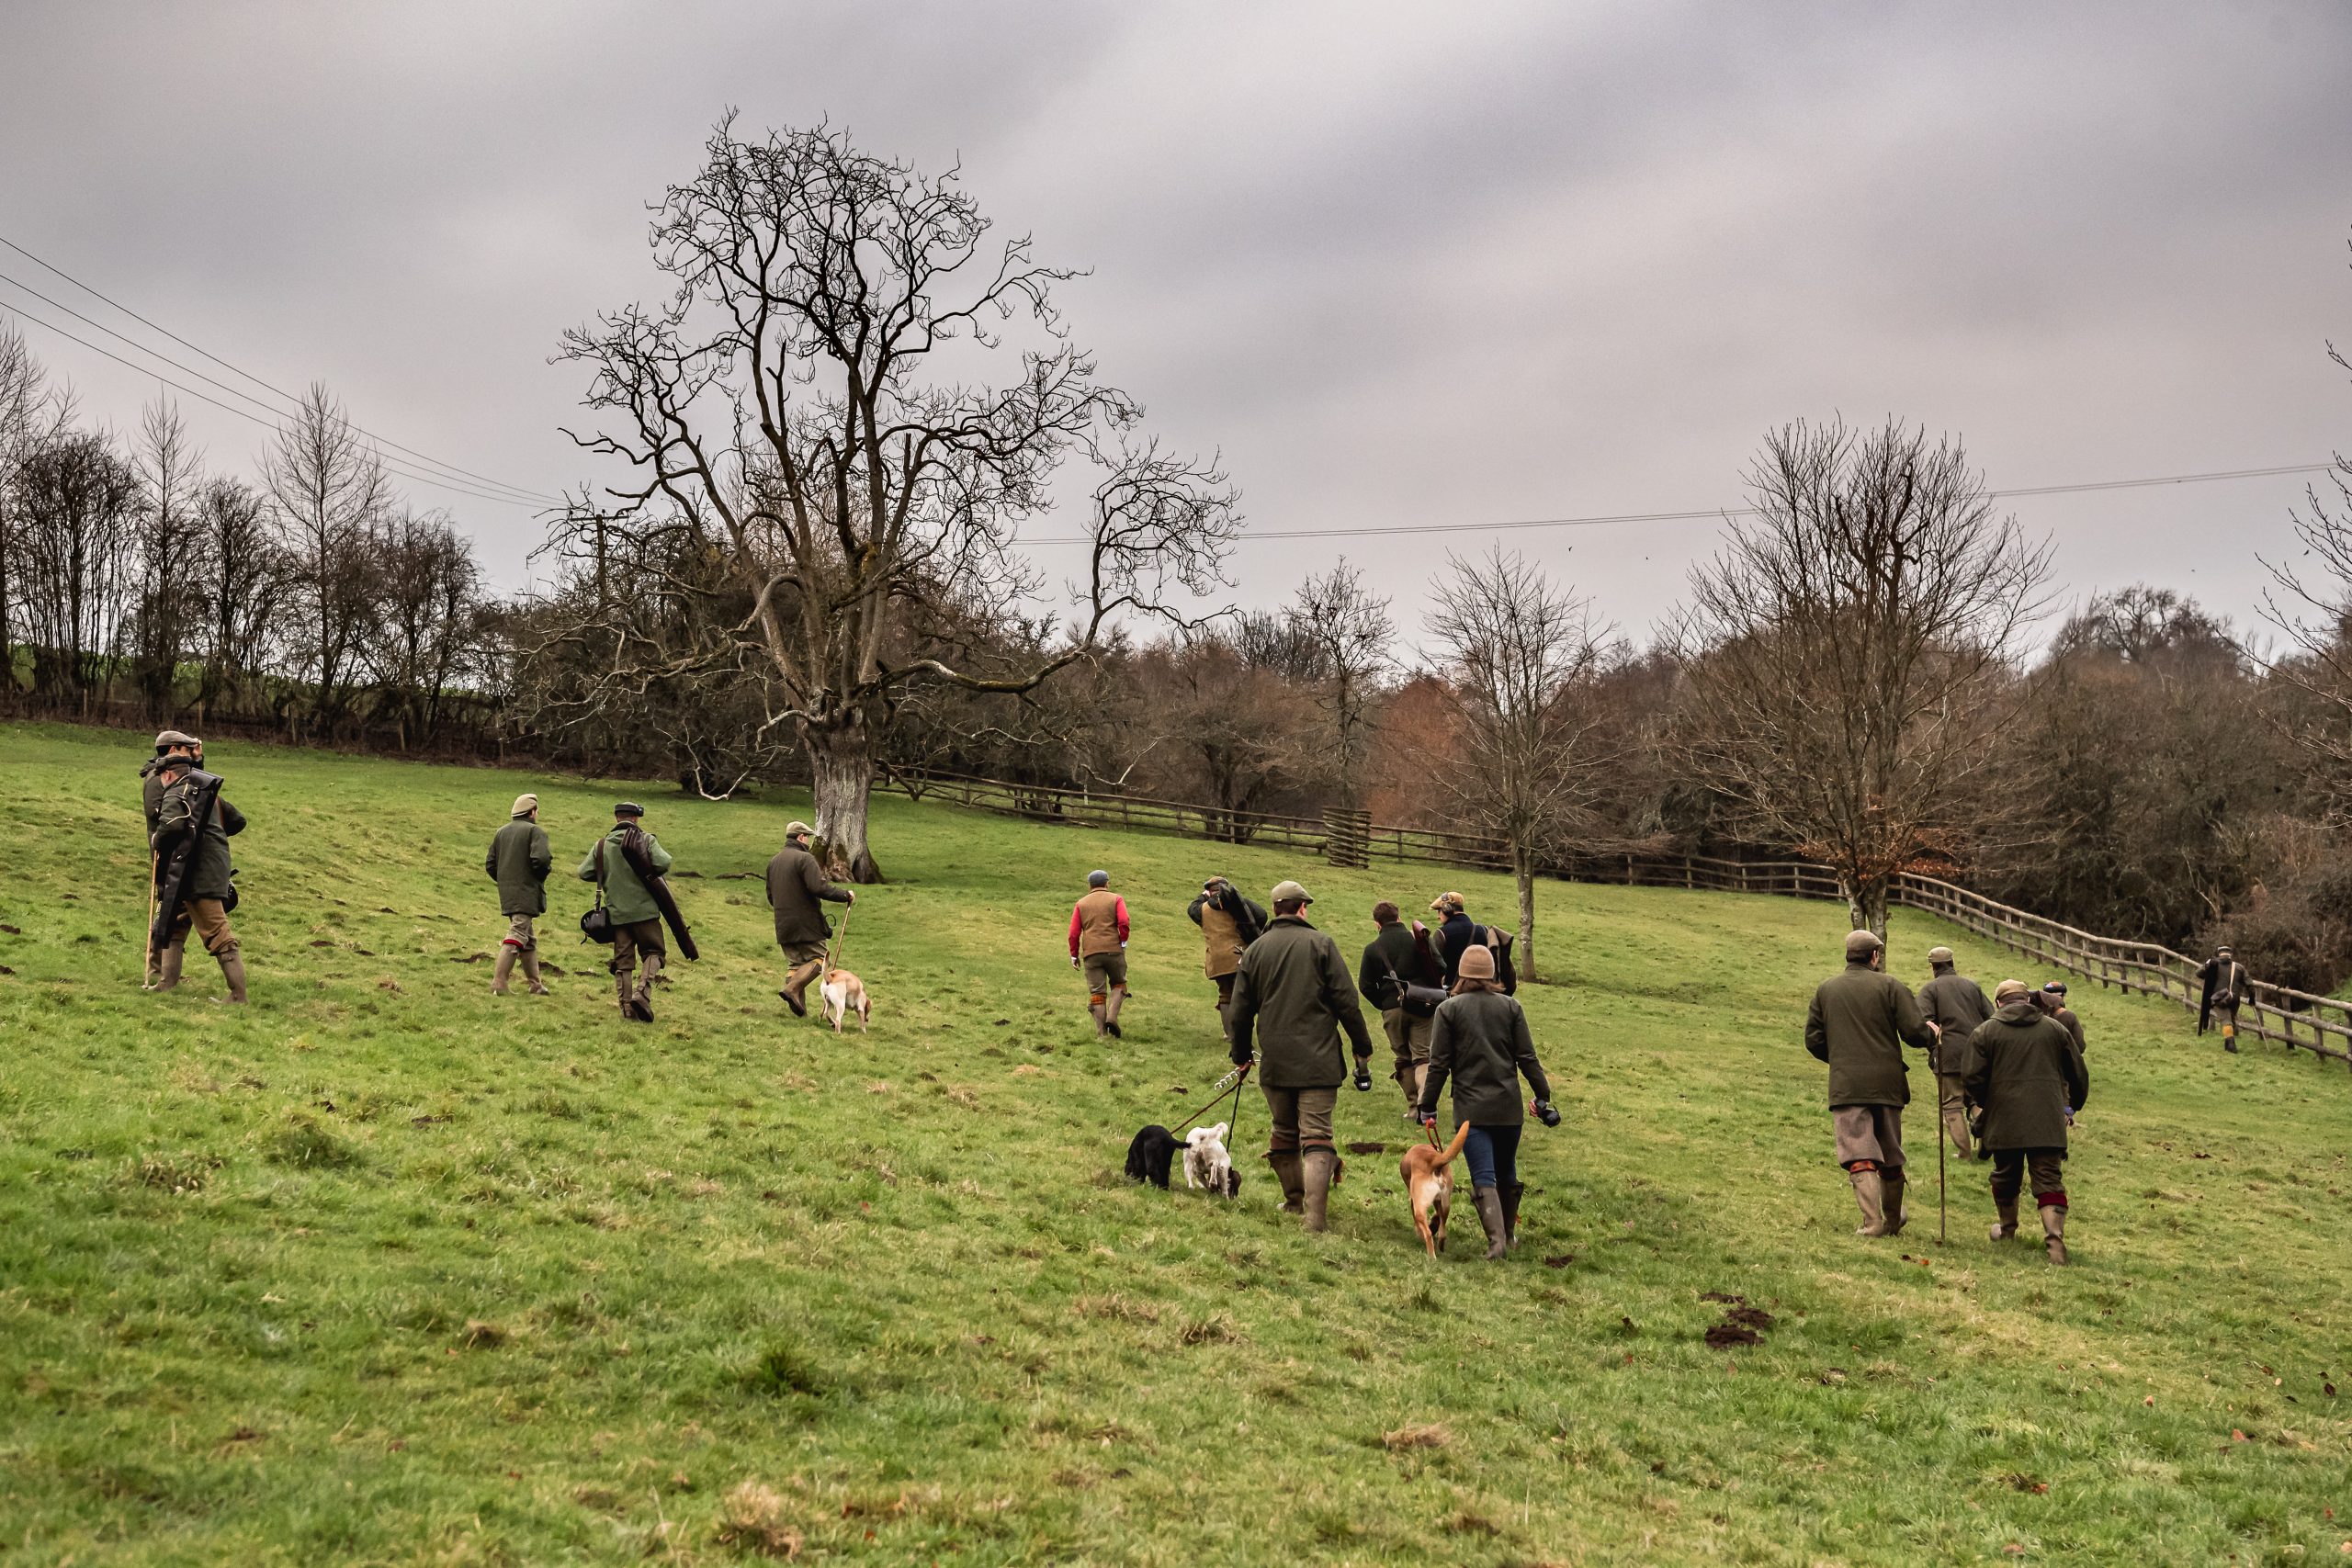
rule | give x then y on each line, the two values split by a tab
2009	1072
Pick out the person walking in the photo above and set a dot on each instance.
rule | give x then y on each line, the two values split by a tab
169	743
519	861
1858	1023
1291	990
1955	1005
1228	923
195	880
2227	984
1480	1039
1396	962
1458	933
2052	1000
636	915
796	887
2024	1069
1098	940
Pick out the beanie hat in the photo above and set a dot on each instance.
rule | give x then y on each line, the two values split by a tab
1477	963
525	805
1861	945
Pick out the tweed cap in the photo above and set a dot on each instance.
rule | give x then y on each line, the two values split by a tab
166	739
1939	956
797	829
629	808
2011	991
1862	944
1291	893
525	805
1447	902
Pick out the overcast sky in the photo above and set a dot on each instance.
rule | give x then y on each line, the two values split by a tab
1404	264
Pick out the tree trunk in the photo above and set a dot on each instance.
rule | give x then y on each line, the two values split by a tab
840	769
1522	871
1866	904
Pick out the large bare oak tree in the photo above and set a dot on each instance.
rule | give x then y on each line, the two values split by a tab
815	394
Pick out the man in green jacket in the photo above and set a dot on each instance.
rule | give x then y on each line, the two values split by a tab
636	919
1401	955
193	826
1858	1023
169	744
797	885
1955	1005
519	861
2024	1069
1292	989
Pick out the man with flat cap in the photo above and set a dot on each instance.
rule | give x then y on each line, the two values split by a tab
2025	1071
170	744
1955	1005
1228	923
1858	1023
797	885
629	901
519	861
196	885
2226	986
1292	990
1098	942
2052	999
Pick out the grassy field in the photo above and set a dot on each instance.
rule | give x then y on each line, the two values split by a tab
382	1269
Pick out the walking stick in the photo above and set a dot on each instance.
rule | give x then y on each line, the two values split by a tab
833	949
1944	1134
155	874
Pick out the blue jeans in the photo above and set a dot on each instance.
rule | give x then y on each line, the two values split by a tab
1492	1154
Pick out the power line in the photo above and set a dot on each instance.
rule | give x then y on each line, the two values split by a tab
1711	513
390	467
426	459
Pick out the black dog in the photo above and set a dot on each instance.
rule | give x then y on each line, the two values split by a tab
1148	1156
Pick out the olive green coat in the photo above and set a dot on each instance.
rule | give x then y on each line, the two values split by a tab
795	885
2024	1070
211	873
519	861
1481	1039
1957	1005
1293	989
625	896
1857	1024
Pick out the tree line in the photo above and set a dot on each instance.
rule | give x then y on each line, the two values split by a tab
824	446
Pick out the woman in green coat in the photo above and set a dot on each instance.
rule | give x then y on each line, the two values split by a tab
1479	1038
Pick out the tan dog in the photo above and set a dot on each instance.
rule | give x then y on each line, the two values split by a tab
845	994
1428	1183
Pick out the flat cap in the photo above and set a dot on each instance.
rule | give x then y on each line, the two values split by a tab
629	808
1862	944
1291	893
1446	901
1939	956
166	739
523	806
2011	991
797	829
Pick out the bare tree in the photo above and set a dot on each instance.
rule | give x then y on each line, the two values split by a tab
422	635
1517	658
1350	633
1848	654
328	491
813	389
34	415
242	584
76	544
169	605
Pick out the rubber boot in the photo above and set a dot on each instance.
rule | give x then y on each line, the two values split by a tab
1956	1127
2053	1231
797	982
2008	1213
1510	1196
620	987
1111	1011
233	970
531	972
1869	1197
644	1006
168	971
498	976
1095	1010
1489	1204
1891	1184
1409	1079
1317	1165
1293	1179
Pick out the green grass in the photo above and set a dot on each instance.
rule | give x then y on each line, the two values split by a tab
384	1269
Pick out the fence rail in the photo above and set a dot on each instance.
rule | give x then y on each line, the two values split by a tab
2299	1019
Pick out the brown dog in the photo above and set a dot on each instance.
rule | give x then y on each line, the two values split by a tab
1428	1183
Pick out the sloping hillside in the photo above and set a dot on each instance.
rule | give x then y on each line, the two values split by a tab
382	1269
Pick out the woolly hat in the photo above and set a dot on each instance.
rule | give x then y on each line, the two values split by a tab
525	805
2011	991
1861	945
1477	962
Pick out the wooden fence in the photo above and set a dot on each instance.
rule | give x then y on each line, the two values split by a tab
2299	1019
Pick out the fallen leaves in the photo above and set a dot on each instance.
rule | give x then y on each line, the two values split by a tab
2020	1481
1435	1435
1559	1260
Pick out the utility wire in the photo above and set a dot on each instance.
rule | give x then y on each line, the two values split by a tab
390	467
423	457
1711	513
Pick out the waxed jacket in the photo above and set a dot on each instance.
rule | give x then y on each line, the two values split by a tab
1858	1023
1293	989
1480	1038
1958	1006
797	885
2024	1070
212	875
519	861
625	895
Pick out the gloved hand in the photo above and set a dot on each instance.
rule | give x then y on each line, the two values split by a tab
1363	1078
1073	960
1547	1113
1238	1056
1429	1120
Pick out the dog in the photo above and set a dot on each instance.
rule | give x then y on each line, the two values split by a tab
845	994
1206	1163
1150	1155
1429	1185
